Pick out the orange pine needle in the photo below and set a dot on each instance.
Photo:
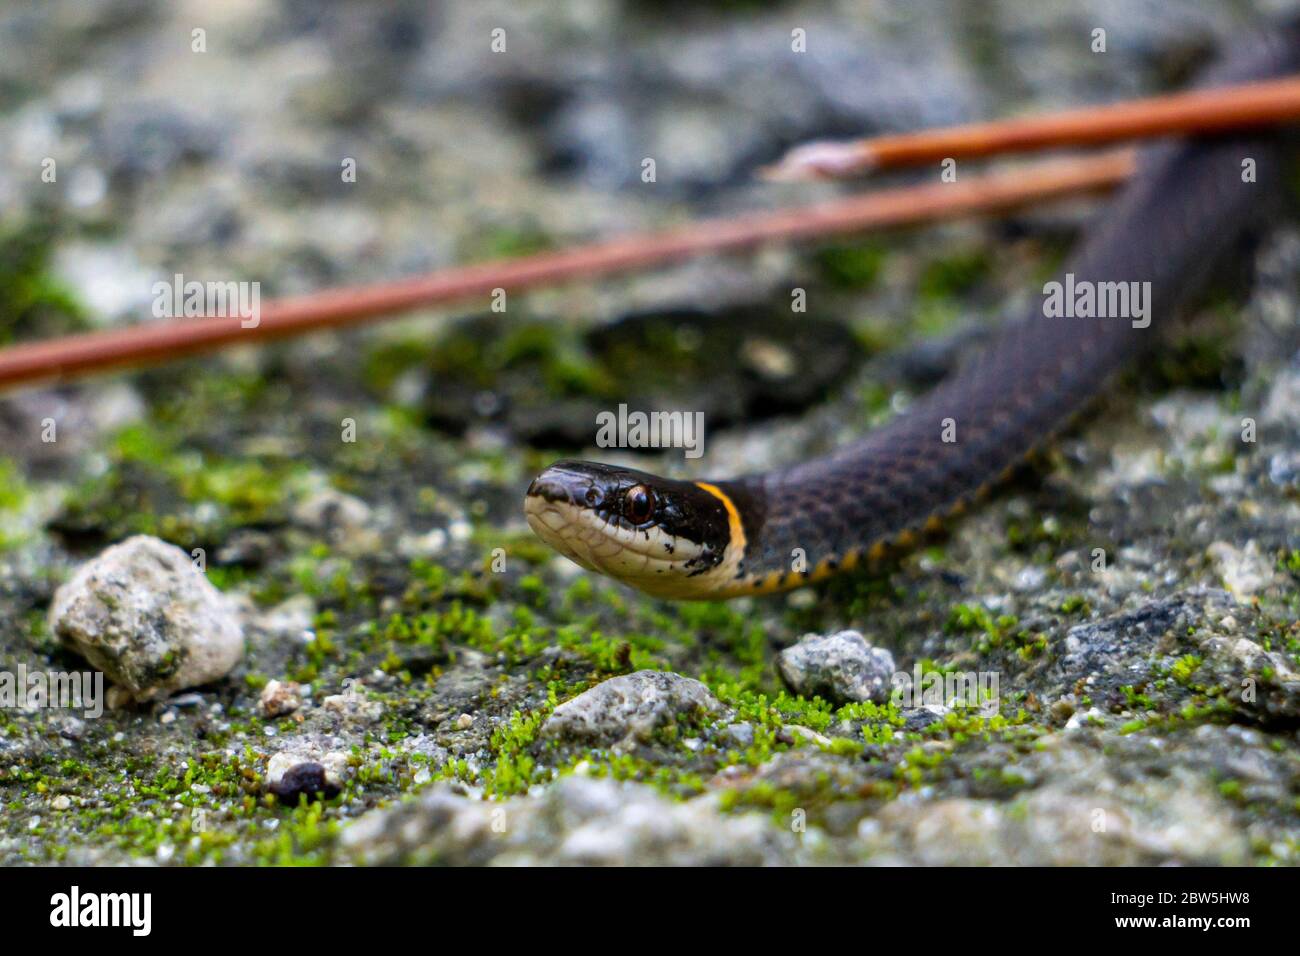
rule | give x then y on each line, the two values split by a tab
1197	111
77	355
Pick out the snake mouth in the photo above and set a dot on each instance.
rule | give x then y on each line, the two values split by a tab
558	506
581	509
557	523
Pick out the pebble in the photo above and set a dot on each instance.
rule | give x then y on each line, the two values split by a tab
1244	571
306	766
280	697
631	706
839	667
353	704
306	778
143	614
332	510
344	519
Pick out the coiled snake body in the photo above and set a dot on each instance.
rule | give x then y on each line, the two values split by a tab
1185	210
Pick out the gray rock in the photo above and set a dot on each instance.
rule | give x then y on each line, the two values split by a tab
839	667
1203	627
288	621
79	417
632	706
1129	809
740	734
1119	647
143	614
1051	828
577	820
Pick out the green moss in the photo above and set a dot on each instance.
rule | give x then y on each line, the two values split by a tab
14	495
1201	358
33	302
1135	699
934	317
856	266
954	275
1076	604
155	484
1184	668
515	769
525	361
524	546
502	242
329	578
1198	711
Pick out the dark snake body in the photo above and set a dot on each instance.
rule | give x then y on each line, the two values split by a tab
1186	209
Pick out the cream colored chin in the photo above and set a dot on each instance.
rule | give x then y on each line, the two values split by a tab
639	558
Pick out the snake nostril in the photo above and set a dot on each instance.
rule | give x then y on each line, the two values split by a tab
547	489
593	496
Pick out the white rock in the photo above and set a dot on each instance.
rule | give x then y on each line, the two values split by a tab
332	509
353	704
1244	570
334	763
289	620
345	519
280	697
144	615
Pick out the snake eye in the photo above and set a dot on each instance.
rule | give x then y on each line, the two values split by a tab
639	504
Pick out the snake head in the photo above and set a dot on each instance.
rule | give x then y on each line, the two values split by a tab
662	536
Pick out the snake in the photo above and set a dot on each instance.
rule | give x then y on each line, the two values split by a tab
1187	209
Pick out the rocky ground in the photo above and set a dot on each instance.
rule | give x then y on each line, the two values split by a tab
416	678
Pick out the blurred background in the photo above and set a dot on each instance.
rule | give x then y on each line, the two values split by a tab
229	160
209	139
